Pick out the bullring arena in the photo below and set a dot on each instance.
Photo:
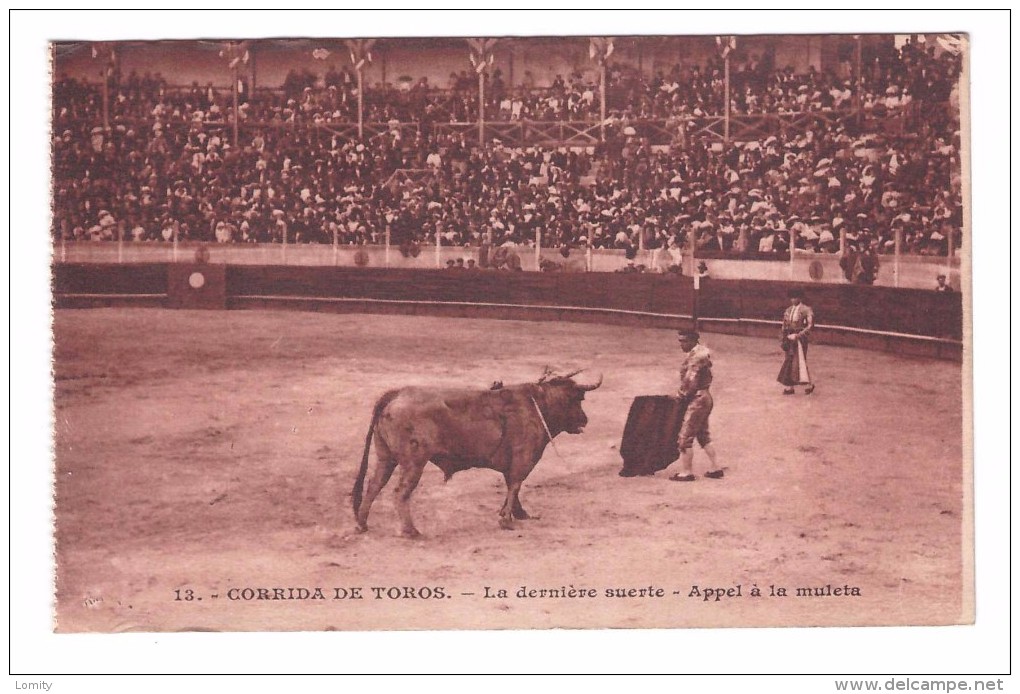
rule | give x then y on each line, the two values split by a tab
233	293
211	451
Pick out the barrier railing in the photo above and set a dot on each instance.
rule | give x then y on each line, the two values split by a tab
565	133
905	271
923	323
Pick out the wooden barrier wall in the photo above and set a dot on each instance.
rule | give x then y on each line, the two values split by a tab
852	313
93	278
909	311
666	294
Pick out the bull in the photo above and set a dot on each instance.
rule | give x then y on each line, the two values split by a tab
503	428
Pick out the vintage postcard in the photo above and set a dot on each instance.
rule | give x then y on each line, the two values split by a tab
578	332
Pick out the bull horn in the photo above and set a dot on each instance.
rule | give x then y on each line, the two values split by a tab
572	374
592	387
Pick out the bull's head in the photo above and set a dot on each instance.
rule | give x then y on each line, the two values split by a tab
563	398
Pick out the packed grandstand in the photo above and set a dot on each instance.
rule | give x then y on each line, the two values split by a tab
839	163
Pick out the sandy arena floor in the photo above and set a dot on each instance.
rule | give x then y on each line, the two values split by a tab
214	452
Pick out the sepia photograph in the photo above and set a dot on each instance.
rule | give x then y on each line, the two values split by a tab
379	331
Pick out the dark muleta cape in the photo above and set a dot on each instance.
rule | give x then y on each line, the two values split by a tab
650	437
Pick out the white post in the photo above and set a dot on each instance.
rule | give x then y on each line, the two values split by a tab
538	249
950	253
386	253
858	110
234	75
793	250
336	247
361	105
693	238
697	278
106	99
439	260
283	246
695	235
481	103
898	249
602	101
726	96
120	241
177	232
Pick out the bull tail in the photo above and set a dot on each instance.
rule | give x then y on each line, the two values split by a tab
359	482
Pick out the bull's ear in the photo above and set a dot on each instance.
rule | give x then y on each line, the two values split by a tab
546	373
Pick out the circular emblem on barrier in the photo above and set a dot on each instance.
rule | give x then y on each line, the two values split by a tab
361	258
196	280
202	254
815	270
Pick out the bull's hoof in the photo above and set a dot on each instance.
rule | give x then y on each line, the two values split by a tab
360	527
524	515
506	523
411	534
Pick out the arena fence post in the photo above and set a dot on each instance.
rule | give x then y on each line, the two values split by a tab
697	279
120	241
951	253
177	234
897	249
538	249
64	228
439	260
386	253
793	250
694	300
336	248
693	238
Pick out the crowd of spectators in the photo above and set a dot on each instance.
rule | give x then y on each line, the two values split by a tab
167	168
911	79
